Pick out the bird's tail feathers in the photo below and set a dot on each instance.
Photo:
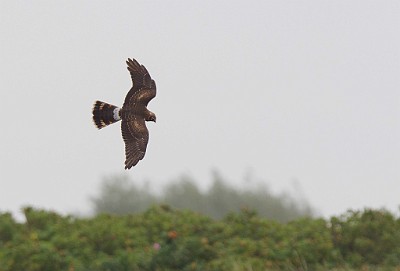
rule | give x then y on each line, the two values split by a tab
105	114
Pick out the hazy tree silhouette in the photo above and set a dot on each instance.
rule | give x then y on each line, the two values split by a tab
119	195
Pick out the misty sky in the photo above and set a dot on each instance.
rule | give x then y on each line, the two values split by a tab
303	92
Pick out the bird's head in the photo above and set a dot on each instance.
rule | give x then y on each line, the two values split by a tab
151	117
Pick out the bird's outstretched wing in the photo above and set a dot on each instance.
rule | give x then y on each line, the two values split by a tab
143	87
136	137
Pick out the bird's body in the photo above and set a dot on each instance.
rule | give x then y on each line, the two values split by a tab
133	114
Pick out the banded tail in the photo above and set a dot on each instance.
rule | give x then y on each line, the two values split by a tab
105	114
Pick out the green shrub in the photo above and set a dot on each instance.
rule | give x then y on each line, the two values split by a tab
367	237
162	238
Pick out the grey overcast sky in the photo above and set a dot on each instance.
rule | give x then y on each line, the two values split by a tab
286	90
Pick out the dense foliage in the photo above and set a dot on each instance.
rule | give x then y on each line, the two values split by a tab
162	238
120	195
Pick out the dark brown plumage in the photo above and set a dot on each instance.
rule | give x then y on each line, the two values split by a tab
134	113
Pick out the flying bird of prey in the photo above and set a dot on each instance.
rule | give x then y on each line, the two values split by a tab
133	113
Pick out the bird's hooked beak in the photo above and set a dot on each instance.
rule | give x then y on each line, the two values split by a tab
151	117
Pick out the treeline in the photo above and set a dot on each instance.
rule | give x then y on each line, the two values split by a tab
120	195
163	238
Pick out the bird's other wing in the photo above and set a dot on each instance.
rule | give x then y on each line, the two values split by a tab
141	81
136	137
139	74
145	95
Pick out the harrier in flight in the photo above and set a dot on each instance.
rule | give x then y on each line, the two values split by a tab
133	113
